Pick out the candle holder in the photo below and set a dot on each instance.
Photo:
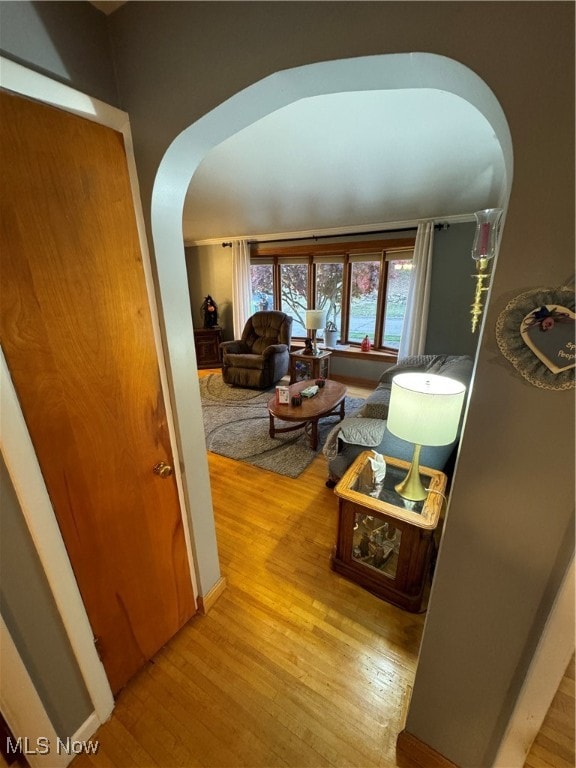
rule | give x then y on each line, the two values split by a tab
483	251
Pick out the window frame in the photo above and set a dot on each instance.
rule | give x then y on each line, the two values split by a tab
383	251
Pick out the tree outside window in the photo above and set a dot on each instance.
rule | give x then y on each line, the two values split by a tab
262	285
363	310
397	286
329	283
294	295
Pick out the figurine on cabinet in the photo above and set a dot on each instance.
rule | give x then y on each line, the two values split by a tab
364	545
210	312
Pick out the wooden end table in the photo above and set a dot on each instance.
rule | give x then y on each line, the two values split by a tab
385	542
207	344
304	366
330	400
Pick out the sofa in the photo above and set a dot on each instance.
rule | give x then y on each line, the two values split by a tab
366	428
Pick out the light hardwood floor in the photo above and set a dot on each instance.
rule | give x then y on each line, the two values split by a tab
293	666
554	745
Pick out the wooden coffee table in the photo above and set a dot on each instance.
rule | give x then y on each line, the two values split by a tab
329	401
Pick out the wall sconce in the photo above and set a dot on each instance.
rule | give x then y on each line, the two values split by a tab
315	320
483	251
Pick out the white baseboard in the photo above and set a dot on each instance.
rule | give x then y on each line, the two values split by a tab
205	602
88	728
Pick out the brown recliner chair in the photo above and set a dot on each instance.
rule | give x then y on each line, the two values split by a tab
261	357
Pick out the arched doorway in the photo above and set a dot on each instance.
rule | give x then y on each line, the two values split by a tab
383	72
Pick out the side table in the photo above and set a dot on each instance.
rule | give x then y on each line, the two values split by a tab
304	367
385	542
207	344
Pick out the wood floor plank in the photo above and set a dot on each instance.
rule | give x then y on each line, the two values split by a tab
294	666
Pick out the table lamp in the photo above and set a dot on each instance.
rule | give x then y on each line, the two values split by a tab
425	410
315	319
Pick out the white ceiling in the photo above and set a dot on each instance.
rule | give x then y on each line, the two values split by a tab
347	160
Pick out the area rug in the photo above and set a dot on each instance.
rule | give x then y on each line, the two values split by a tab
236	425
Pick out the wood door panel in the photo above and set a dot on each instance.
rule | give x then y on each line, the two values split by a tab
76	329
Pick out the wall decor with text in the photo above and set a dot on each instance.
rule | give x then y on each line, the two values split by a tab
535	332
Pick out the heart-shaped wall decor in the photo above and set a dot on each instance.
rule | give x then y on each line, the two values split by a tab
549	332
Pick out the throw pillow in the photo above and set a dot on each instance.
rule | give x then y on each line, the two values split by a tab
377	402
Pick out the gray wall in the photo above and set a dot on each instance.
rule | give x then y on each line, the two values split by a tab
66	41
510	522
30	613
209	270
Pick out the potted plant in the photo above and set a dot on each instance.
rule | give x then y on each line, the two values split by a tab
330	334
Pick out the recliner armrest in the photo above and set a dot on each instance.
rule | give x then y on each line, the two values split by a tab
274	349
234	347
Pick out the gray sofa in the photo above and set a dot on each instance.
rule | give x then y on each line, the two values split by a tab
366	429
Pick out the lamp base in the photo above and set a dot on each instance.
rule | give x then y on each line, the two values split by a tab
411	487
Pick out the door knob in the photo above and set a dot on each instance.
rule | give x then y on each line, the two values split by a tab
162	470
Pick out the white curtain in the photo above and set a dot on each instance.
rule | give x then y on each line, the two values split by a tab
416	318
241	289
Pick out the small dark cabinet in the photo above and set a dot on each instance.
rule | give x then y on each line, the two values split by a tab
207	343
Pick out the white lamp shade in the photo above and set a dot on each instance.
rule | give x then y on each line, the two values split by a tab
424	408
315	319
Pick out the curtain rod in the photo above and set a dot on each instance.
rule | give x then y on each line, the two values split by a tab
346	234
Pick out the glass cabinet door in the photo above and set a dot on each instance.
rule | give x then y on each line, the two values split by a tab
376	544
302	370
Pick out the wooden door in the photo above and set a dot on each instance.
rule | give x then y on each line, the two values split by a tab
77	334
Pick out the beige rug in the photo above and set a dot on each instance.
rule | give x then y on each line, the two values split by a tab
236	425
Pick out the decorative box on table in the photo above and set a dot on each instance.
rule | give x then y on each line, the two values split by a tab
385	543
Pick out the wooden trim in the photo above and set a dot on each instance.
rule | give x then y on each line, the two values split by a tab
348	246
206	602
413	753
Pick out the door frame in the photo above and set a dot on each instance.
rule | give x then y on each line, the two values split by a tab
24	711
28	482
15	440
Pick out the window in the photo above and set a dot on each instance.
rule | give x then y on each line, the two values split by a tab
262	284
294	282
362	286
363	302
329	281
399	272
